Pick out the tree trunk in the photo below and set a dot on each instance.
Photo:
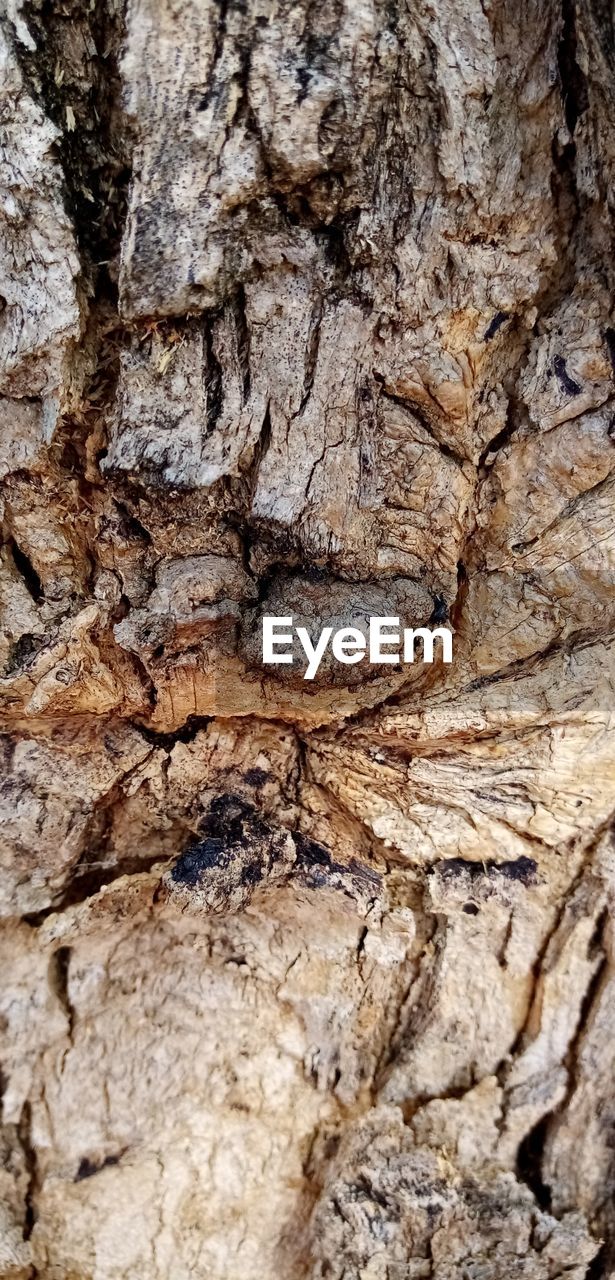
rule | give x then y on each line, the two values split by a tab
307	312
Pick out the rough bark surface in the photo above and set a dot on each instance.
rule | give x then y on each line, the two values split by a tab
307	308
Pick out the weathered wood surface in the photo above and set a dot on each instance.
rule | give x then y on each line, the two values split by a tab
306	308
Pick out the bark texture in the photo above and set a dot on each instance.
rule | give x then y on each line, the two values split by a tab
307	308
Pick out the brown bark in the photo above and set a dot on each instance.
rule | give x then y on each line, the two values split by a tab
307	311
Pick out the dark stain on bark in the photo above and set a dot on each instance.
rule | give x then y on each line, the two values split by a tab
523	869
256	777
214	389
499	319
231	826
567	383
87	1168
24	566
609	338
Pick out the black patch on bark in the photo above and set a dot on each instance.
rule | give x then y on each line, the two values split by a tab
499	319
187	732
320	869
129	526
609	338
23	652
59	965
87	1168
25	567
304	77
214	388
252	873
310	853
569	385
197	858
440	610
523	869
597	1270
256	777
230	824
24	1134
529	1163
315	861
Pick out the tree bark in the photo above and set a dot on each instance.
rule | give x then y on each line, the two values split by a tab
307	311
